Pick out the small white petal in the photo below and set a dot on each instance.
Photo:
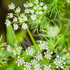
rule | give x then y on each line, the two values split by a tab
15	19
10	15
11	6
8	23
24	26
18	10
33	17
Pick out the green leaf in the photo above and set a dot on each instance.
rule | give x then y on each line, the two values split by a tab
10	35
5	54
20	36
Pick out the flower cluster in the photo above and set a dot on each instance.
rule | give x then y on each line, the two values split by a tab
30	51
38	56
27	66
59	62
16	50
48	55
33	12
47	67
17	17
20	61
43	45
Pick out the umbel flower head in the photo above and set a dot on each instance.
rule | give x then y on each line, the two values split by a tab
29	16
30	51
20	61
59	62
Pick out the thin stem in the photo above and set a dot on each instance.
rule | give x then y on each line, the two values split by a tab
31	36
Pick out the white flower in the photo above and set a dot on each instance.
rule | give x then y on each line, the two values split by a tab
45	7
36	2
24	26
27	66
22	15
43	45
41	3
59	62
33	17
25	18
11	6
39	8
40	12
7	22
15	26
30	4
31	11
38	56
34	7
37	12
18	10
47	55
25	5
15	19
26	10
30	51
37	67
34	62
47	67
16	50
10	15
20	19
20	61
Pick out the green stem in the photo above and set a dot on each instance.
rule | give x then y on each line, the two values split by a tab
31	36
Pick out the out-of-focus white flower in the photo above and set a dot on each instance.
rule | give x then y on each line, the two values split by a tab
25	5
24	26
22	15
15	26
37	67
15	19
59	62
38	56
34	7
41	3
31	11
45	7
26	10
38	7
39	12
11	6
33	17
30	51
36	2
25	18
47	55
43	45
47	67
7	22
20	19
27	66
10	15
20	61
18	10
30	4
34	62
16	50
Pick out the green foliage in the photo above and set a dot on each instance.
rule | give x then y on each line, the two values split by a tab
52	52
